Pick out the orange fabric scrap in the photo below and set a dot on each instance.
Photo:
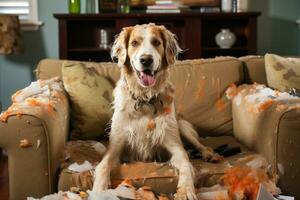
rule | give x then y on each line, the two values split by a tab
200	92
10	111
127	182
50	108
220	105
167	110
4	116
33	102
25	143
151	125
14	96
243	182
232	91
265	105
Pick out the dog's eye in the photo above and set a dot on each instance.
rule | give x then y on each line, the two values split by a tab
134	43
155	42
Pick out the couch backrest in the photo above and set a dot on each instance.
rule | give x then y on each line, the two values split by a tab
254	68
200	89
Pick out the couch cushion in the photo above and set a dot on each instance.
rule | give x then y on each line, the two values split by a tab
200	87
161	177
91	96
254	67
282	73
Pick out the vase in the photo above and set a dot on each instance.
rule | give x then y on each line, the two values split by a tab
124	6
225	39
74	6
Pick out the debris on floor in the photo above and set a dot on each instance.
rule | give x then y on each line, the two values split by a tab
86	166
244	182
59	196
216	192
79	151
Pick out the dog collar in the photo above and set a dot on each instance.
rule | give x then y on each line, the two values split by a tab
155	102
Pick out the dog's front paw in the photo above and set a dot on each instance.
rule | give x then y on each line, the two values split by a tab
101	184
209	156
185	193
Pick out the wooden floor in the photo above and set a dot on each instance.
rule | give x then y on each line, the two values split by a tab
4	193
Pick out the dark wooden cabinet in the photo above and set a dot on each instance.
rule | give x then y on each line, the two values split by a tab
79	34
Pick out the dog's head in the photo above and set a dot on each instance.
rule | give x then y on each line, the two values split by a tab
146	50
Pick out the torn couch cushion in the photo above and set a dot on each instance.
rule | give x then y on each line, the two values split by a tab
91	96
282	73
200	85
161	177
39	97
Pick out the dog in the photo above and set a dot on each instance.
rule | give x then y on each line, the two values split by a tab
144	120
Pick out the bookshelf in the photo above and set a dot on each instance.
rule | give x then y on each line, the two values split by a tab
79	35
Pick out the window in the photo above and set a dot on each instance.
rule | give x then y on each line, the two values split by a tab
26	9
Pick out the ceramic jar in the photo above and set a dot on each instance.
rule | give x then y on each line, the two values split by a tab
225	39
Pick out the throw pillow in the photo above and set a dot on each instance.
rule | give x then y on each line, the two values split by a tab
90	96
282	73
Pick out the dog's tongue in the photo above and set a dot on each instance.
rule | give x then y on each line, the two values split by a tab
147	79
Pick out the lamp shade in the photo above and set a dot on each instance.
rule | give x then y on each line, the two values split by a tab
10	35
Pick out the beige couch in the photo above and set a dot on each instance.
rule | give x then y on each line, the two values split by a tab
36	171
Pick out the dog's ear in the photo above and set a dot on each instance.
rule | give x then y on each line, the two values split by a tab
119	48
171	46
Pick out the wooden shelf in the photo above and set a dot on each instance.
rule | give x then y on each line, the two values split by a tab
79	34
220	49
136	15
95	49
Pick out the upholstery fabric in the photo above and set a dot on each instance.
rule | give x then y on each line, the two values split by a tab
272	132
268	122
200	85
200	92
41	121
282	73
91	96
161	177
254	68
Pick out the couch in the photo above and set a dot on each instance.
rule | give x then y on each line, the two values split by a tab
274	134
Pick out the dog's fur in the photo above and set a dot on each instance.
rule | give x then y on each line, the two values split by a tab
144	119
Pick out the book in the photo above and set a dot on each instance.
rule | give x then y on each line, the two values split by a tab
210	9
163	11
166	6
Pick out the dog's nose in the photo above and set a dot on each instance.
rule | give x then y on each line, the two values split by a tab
146	60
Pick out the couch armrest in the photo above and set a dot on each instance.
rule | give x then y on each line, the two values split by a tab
42	126
271	127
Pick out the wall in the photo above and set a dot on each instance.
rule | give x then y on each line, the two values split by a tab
277	33
16	71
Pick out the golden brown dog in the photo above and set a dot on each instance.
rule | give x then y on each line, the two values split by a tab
144	119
